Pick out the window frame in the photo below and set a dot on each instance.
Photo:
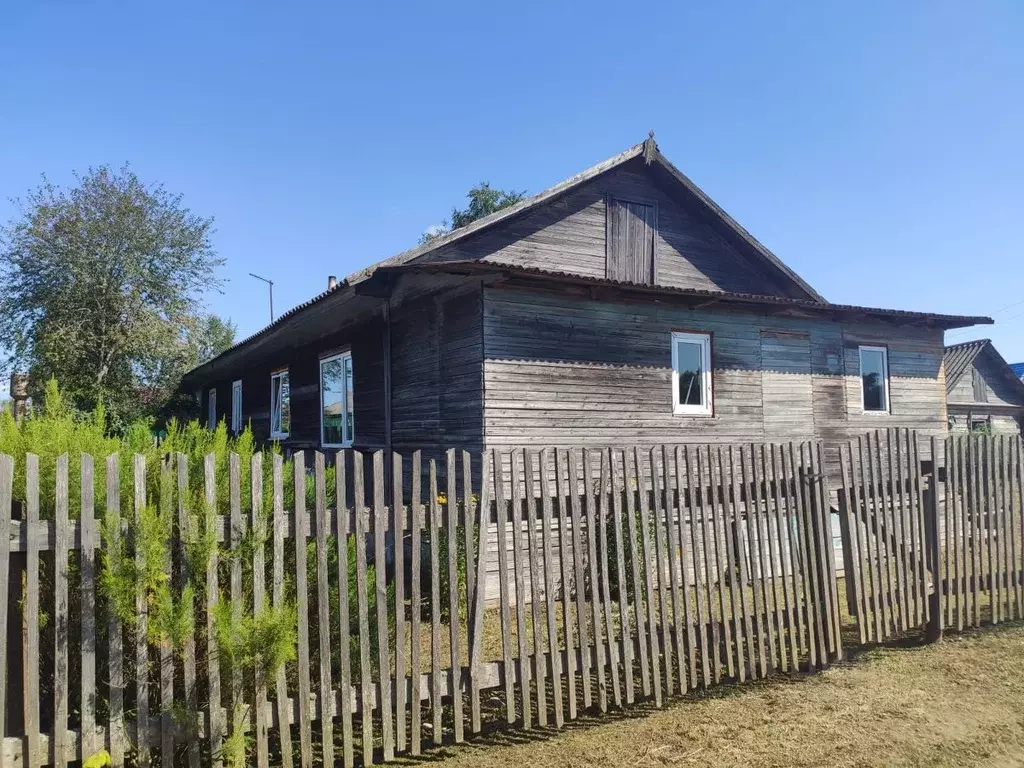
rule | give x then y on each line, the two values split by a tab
703	339
236	406
279	435
347	440
884	350
211	409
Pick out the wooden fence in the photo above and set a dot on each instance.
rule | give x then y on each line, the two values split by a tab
622	575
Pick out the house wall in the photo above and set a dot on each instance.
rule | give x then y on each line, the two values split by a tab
564	370
999	423
569	235
436	361
998	390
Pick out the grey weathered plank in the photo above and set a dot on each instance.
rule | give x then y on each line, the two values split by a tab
115	657
501	518
727	493
768	574
872	595
990	518
398	539
829	574
782	528
625	639
281	706
678	570
435	607
215	715
977	509
61	745
257	522
659	512
523	662
87	518
1017	507
1014	512
630	479
476	648
6	500
380	572
879	583
166	658
30	646
919	518
591	501
648	565
813	549
713	557
237	599
415	663
141	625
762	618
849	510
954	504
530	470
549	590
302	602
603	501
898	534
362	609
700	581
950	548
323	608
451	528
808	594
564	555
1005	539
572	463
739	564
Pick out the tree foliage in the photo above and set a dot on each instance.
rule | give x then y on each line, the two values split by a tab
483	200
101	286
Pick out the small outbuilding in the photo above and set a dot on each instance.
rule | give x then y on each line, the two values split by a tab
983	394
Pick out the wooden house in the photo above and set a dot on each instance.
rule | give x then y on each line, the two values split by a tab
983	392
621	306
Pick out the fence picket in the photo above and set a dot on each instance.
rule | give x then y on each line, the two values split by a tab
564	554
115	658
1005	528
854	558
362	609
593	502
282	705
259	597
415	639
954	448
657	566
141	627
323	609
745	632
625	636
523	662
469	525
451	528
638	591
61	544
549	590
728	506
898	534
398	542
166	656
238	717
6	500
215	715
87	525
748	556
764	571
603	502
710	513
540	667
30	626
786	563
686	656
483	517
700	582
501	520
302	601
380	571
1017	493
577	558
435	607
919	519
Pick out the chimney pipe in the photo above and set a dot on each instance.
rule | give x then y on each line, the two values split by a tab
332	282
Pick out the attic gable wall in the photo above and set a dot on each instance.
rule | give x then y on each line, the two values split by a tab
1000	391
568	234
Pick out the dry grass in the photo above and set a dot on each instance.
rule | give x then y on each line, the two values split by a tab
957	703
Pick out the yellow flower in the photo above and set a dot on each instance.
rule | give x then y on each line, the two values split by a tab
442	498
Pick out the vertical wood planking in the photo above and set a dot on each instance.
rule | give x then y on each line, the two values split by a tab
141	627
782	529
166	657
694	492
685	657
991	528
739	565
501	518
1018	525
755	558
549	590
808	594
186	535
713	557
87	526
469	521
61	544
913	453
871	565
564	554
729	512
776	632
763	572
875	535
949	549
523	662
900	532
363	609
625	636
1015	521
380	572
451	528
648	566
1004	537
415	663
302	599
798	627
597	592
216	728
435	607
572	462
638	604
323	609
829	559
31	616
977	506
115	658
815	554
954	450
849	507
603	502
483	518
540	667
282	705
257	522
659	512
398	540
6	500
236	532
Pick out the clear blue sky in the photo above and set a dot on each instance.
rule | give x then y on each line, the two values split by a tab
876	147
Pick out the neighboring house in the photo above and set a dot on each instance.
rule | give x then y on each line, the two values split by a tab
1018	370
619	307
984	393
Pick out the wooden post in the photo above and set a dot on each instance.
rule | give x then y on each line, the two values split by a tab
933	631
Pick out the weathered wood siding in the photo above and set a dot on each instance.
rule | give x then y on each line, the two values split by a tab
997	390
573	371
569	235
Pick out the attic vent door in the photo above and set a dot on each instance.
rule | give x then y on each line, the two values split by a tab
631	231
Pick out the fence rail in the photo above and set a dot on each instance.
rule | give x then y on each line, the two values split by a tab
148	611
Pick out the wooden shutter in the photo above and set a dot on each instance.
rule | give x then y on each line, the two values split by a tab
631	229
980	391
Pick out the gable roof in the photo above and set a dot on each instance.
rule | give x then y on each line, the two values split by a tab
958	358
648	149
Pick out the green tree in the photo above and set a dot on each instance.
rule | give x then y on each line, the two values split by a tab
101	286
483	200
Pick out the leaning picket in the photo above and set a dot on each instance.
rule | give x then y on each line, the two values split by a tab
282	706
522	663
501	519
323	609
380	580
61	746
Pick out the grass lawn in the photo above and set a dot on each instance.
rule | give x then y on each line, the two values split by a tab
957	703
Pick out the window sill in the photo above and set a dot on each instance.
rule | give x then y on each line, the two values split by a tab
336	446
693	414
876	413
278	435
